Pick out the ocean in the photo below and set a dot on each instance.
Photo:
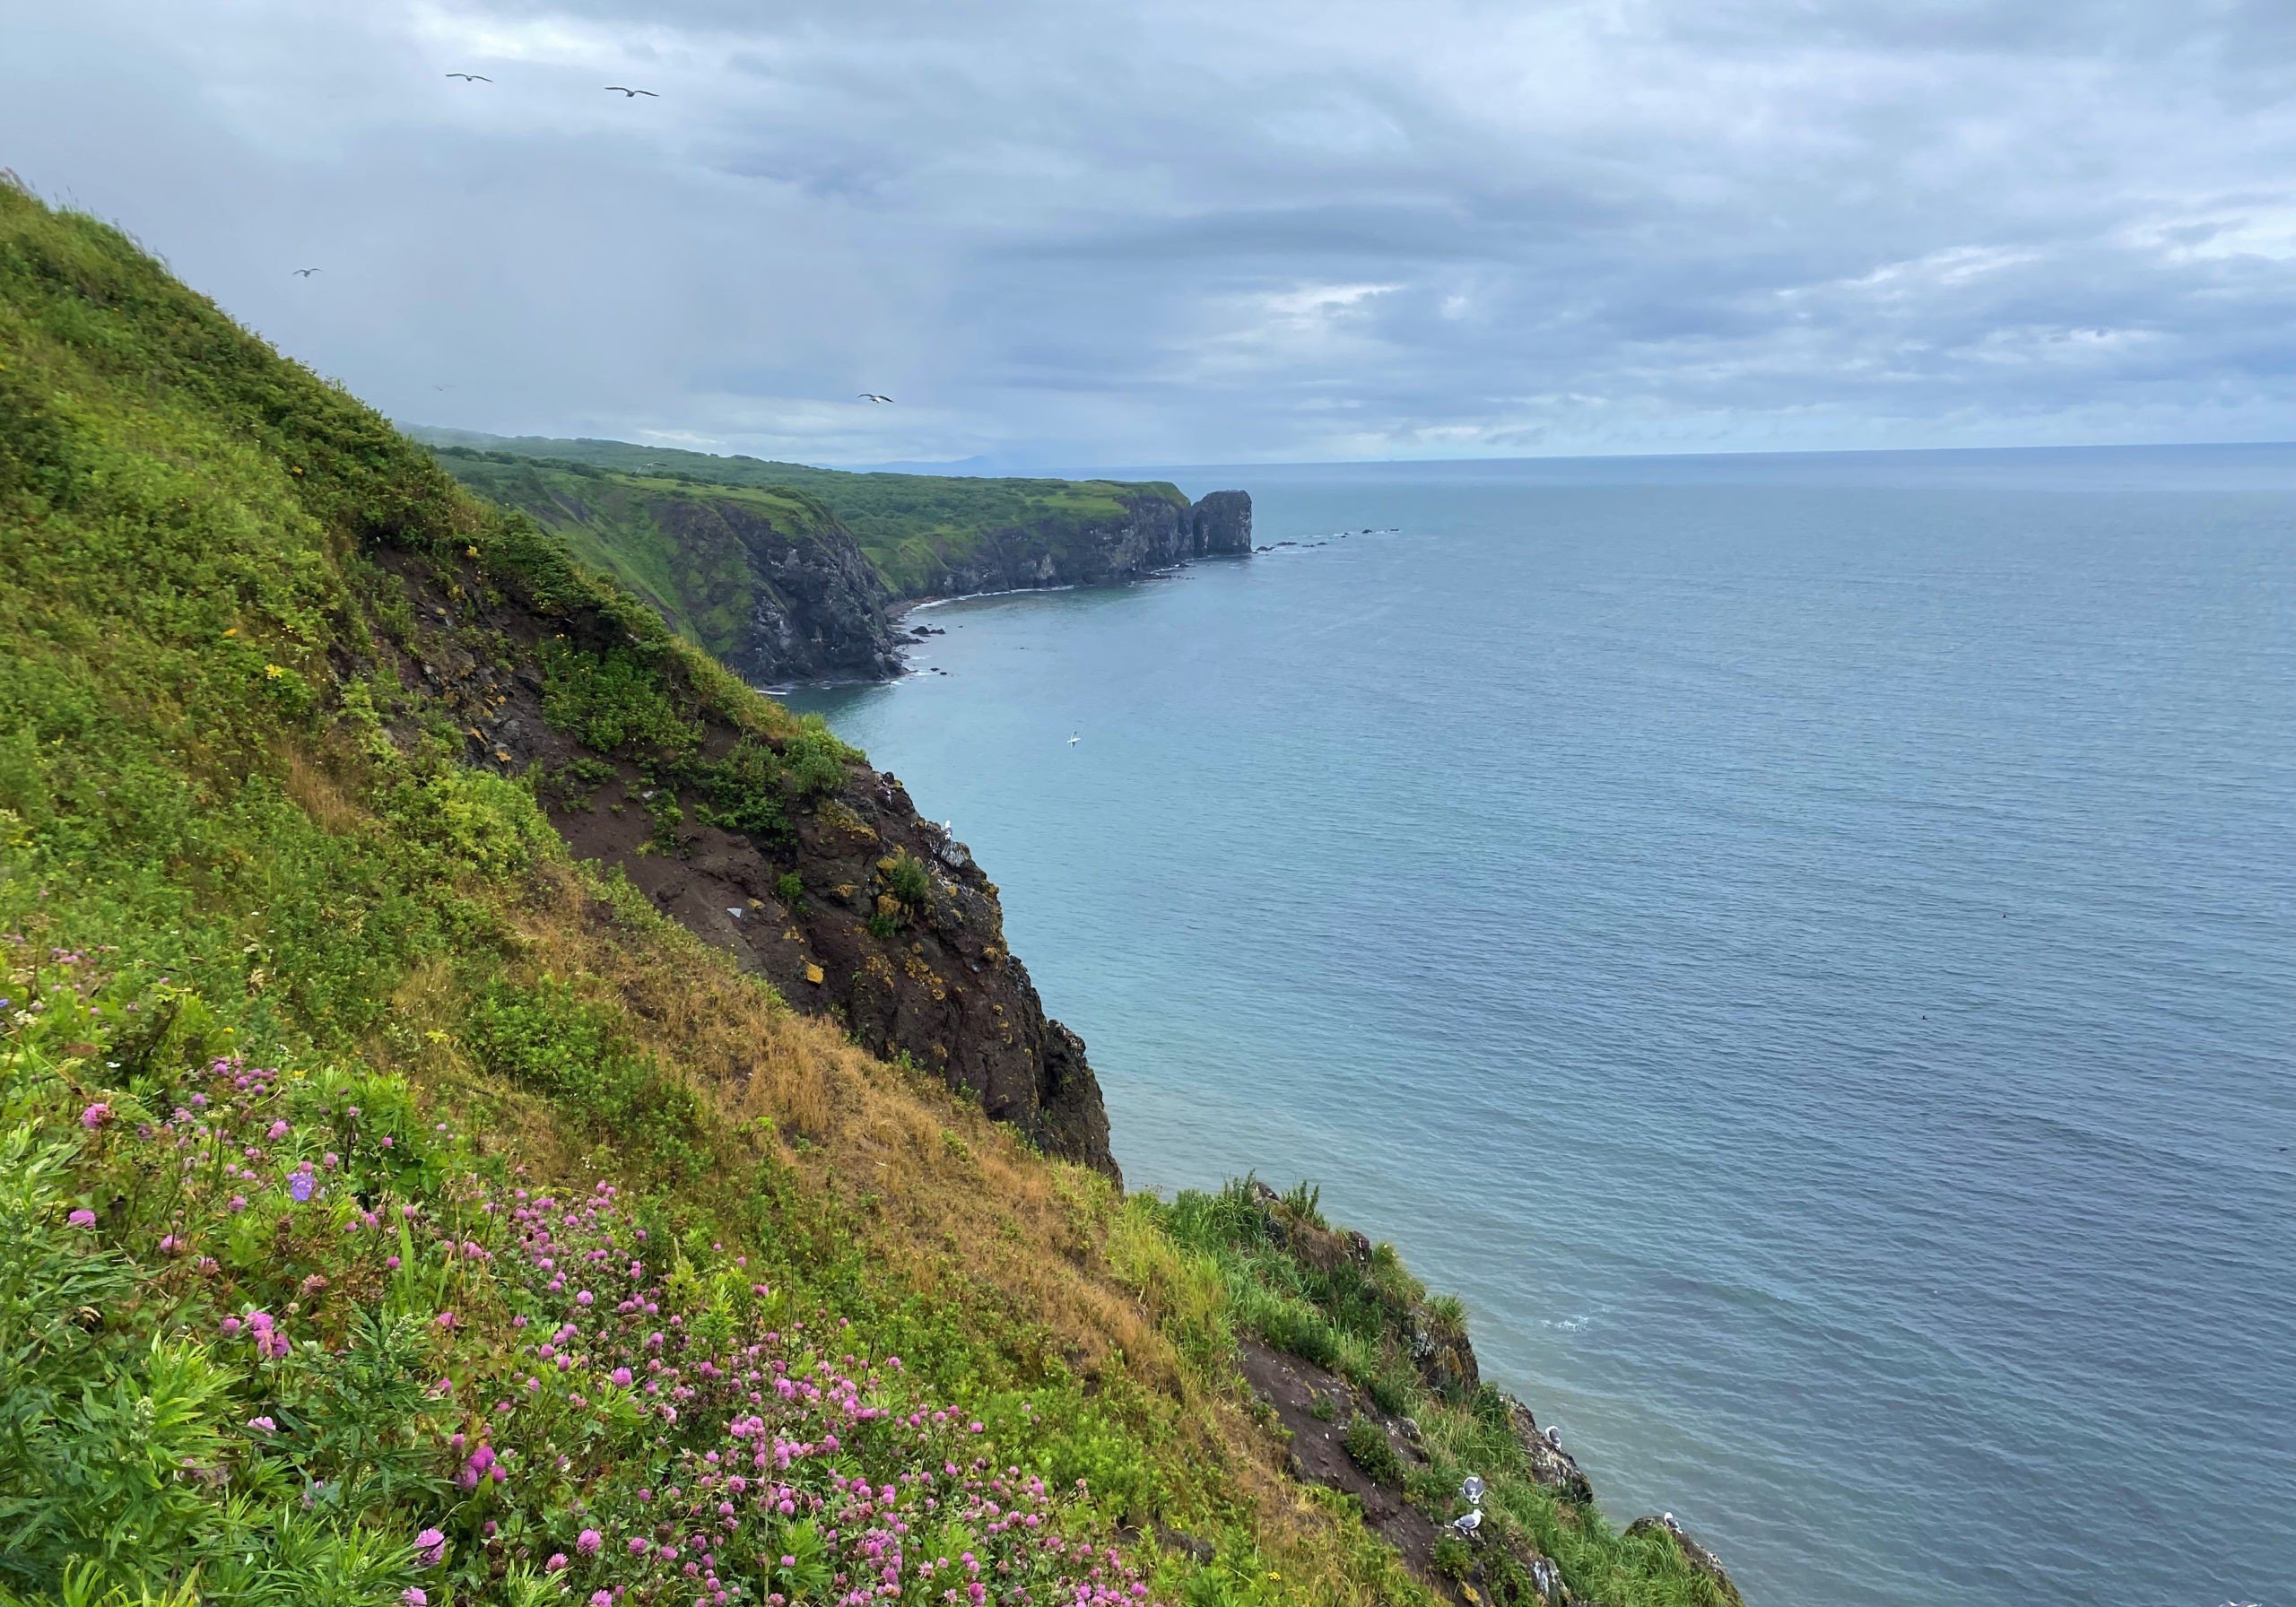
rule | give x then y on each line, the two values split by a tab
1804	947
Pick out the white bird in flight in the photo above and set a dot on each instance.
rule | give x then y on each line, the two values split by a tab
628	93
873	396
472	77
1072	741
306	273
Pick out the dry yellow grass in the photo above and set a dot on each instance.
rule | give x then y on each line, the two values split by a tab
952	1205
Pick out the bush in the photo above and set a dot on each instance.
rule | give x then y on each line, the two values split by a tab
817	760
613	701
1367	1442
744	790
1453	1556
910	880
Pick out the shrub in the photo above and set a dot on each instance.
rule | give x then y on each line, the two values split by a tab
910	880
613	701
1453	1556
789	887
817	760
1367	1442
743	791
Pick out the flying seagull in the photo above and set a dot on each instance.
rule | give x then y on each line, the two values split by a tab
627	93
306	273
1072	741
472	77
873	396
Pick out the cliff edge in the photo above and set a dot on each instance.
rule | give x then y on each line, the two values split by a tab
791	573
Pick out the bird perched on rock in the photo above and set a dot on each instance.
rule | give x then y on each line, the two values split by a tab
1471	1490
1553	1438
1469	1522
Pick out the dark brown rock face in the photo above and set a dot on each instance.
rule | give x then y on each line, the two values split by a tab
860	911
932	979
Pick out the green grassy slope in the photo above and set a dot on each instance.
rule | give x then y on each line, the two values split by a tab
396	1210
610	522
909	525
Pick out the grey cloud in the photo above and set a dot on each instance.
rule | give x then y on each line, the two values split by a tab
1172	229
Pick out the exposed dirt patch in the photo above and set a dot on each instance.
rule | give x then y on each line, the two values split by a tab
1293	1389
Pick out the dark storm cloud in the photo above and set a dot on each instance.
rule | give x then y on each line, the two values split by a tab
1195	230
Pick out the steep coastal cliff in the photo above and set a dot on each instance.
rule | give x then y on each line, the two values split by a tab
1156	532
790	573
766	579
499	1112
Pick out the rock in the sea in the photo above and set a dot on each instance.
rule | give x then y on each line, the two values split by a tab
1221	525
1693	1553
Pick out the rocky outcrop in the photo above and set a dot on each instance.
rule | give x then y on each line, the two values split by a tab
816	609
1221	525
1699	1559
853	905
1543	1455
1155	533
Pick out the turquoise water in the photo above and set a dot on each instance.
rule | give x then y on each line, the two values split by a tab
1806	948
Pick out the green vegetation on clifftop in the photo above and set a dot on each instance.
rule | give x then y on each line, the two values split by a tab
611	521
911	526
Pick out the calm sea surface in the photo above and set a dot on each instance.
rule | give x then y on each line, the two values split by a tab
1805	947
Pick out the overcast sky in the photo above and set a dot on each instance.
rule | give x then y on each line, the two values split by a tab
1064	232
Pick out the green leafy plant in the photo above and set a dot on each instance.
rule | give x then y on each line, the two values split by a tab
1367	1442
909	881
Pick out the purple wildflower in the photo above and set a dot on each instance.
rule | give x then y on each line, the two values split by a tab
95	1116
82	1219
